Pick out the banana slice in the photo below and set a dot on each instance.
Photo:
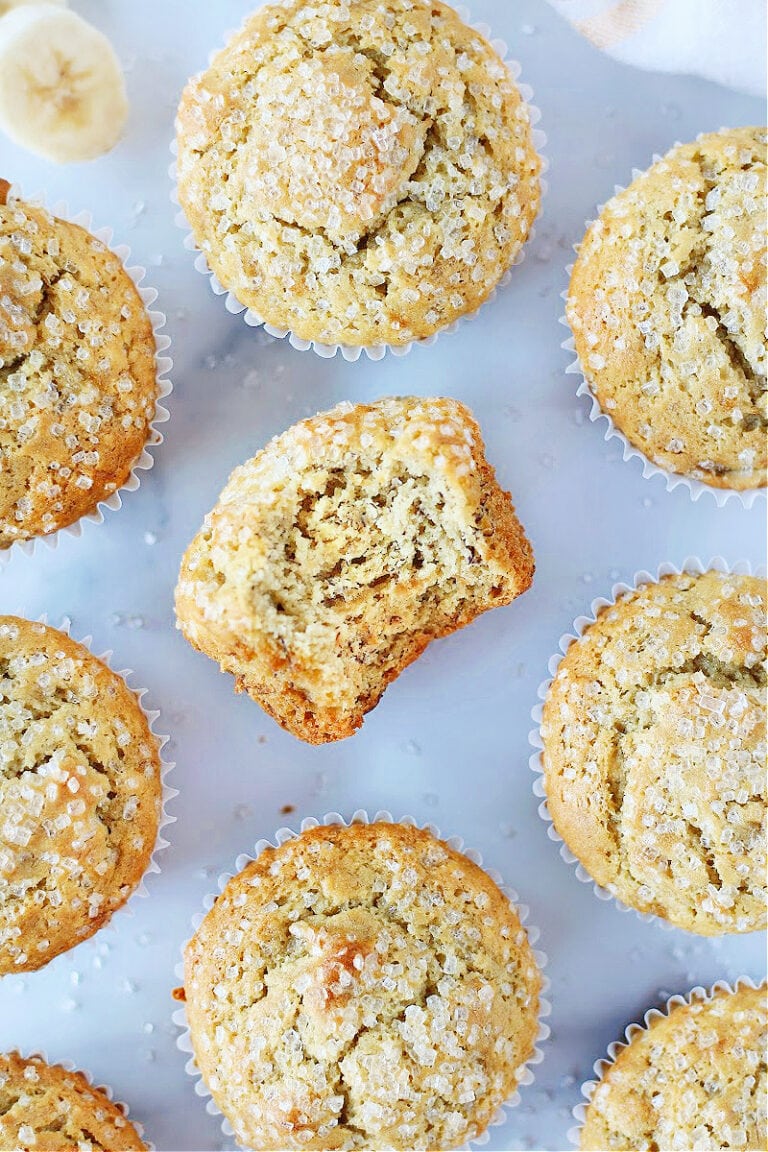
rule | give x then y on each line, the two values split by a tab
62	91
6	5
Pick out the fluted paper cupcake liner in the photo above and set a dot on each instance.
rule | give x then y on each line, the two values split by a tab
167	792
633	1030
693	565
526	1075
163	366
696	488
70	1066
353	352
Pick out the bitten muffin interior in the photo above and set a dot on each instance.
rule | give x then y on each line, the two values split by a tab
339	553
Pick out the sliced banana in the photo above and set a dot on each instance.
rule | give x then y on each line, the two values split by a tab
6	5
62	91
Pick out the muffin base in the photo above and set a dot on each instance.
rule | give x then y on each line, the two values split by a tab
360	816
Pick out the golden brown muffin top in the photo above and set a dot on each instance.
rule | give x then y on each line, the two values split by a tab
46	1108
667	305
695	1078
80	793
359	172
77	372
654	732
361	987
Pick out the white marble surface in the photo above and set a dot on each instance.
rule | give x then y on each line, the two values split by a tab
449	741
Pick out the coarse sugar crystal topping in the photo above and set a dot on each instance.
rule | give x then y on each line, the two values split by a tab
45	1106
667	305
695	1078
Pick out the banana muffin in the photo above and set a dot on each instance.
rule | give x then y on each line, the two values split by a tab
46	1108
654	734
667	306
77	369
361	987
80	793
694	1078
342	549
358	171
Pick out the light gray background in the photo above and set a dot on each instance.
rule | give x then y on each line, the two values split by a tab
449	741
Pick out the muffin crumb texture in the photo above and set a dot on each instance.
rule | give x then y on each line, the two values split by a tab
667	304
694	1079
45	1108
77	372
357	171
341	550
654	732
362	987
80	794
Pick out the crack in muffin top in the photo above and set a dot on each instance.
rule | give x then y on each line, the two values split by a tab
78	385
359	172
667	304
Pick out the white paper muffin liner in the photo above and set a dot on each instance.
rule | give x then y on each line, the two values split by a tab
352	352
580	625
163	366
167	794
696	488
526	1077
633	1030
70	1066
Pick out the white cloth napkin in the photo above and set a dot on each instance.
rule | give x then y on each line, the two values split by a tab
722	40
